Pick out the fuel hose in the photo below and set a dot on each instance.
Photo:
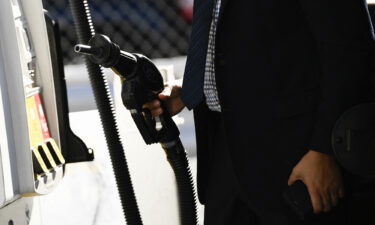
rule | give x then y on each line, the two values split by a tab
85	30
179	162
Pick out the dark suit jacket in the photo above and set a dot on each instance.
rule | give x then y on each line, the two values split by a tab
285	71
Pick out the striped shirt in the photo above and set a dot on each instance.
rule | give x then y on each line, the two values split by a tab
209	87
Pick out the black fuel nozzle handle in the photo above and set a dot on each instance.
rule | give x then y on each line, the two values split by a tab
142	83
153	130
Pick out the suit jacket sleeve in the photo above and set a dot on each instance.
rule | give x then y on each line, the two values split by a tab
344	36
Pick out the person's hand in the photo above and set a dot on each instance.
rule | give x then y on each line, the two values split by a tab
171	97
323	179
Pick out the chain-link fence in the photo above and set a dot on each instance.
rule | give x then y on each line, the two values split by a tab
156	28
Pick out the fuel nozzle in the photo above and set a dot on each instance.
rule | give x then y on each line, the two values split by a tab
88	50
101	50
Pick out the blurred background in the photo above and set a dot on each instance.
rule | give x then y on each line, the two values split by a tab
157	28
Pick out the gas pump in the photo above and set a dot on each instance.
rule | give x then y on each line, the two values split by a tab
36	141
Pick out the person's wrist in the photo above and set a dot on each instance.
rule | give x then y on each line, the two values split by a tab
322	157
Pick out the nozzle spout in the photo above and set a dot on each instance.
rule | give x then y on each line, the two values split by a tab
87	50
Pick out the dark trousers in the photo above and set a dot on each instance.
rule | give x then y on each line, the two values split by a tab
225	204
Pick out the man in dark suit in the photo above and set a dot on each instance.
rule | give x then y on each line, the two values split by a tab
267	80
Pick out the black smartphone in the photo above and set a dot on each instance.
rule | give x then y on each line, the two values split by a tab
298	198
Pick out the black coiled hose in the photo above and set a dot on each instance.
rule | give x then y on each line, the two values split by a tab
99	84
179	162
